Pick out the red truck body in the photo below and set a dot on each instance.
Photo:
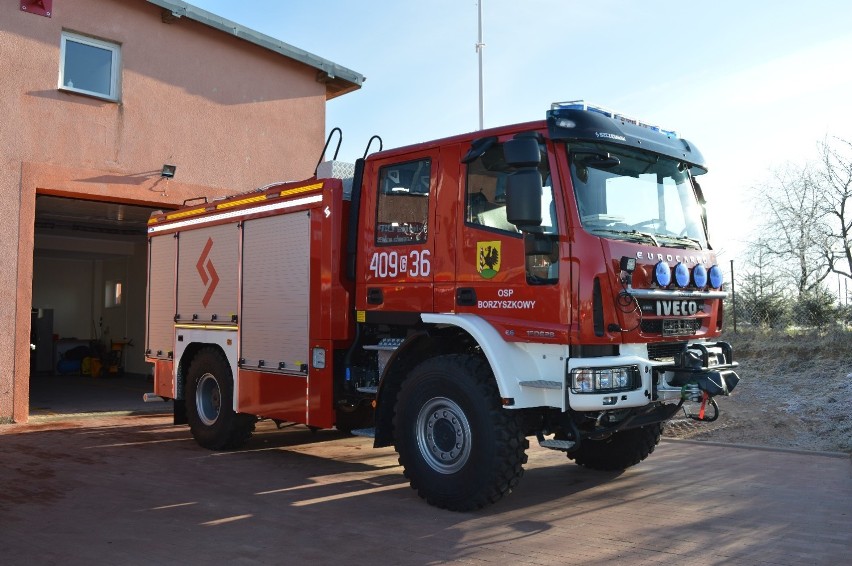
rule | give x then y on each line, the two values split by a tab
548	279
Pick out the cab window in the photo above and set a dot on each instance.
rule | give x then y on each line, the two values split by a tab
486	193
403	203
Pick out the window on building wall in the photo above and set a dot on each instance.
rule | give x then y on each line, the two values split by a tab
89	66
112	294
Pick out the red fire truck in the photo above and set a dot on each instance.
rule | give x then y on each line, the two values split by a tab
451	299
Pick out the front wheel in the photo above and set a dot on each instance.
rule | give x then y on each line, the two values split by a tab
460	449
619	451
210	400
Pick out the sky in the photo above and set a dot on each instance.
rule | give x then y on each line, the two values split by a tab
753	84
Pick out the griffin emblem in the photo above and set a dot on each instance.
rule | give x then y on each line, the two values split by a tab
488	258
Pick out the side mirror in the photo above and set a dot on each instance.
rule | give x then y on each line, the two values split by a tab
523	198
524	185
522	152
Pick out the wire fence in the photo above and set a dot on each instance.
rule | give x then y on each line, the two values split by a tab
752	305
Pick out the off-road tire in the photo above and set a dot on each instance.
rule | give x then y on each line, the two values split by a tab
619	451
210	402
460	449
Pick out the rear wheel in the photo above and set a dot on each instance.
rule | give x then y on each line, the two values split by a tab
210	401
460	449
619	451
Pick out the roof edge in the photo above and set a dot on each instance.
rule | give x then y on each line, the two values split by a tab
338	78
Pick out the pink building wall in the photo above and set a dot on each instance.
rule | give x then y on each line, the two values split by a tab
230	114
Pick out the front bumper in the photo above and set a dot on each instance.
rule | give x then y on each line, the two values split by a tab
703	366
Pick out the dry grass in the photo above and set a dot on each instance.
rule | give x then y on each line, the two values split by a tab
795	393
758	344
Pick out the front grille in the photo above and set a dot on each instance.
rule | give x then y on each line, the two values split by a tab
665	351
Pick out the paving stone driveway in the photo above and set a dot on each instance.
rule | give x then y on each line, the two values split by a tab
136	490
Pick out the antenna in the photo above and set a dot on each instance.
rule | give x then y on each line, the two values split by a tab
479	47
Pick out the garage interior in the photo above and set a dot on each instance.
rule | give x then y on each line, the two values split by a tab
88	308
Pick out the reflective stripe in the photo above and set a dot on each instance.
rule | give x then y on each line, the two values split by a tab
298	190
236	213
206	326
239	202
185	213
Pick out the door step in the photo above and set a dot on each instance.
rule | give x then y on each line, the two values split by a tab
553	444
371	390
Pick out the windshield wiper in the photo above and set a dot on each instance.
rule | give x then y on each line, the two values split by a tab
629	235
685	240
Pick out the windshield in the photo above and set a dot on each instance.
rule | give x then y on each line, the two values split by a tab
636	196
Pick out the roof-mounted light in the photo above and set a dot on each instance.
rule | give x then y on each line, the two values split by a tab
586	107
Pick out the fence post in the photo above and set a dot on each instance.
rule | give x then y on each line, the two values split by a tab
733	296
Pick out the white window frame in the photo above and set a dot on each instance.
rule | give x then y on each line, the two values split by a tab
115	69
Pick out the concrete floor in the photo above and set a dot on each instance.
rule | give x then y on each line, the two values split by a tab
52	396
118	489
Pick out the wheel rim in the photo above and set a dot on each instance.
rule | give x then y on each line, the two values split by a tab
443	435
208	399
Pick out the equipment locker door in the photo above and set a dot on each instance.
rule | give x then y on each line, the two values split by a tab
275	283
161	296
397	253
207	274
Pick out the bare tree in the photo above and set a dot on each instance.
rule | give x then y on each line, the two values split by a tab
760	293
835	177
793	232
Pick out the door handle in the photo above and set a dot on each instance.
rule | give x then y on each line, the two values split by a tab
375	296
466	297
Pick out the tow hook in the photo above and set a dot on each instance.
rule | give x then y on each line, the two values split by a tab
691	392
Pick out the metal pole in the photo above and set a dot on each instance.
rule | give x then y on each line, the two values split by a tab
733	297
479	47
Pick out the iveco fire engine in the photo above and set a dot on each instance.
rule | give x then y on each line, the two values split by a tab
549	279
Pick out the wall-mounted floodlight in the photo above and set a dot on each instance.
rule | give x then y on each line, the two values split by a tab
168	171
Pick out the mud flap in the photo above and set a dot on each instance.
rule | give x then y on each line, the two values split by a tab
179	409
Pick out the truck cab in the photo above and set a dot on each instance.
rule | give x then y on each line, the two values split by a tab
570	255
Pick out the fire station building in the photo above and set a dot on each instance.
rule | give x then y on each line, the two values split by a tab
112	109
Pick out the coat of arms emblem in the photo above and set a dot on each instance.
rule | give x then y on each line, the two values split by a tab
488	258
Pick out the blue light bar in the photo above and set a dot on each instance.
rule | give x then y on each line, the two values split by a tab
586	107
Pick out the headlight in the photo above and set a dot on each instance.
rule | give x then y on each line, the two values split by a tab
602	380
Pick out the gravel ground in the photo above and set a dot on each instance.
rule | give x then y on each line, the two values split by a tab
794	393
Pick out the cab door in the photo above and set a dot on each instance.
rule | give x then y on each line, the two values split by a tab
508	277
396	257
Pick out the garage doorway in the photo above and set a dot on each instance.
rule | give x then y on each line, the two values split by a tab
88	308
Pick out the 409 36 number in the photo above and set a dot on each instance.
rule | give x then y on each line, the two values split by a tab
393	264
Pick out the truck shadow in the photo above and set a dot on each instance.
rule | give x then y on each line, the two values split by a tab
74	486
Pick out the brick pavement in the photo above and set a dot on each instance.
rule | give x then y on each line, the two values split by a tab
135	490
